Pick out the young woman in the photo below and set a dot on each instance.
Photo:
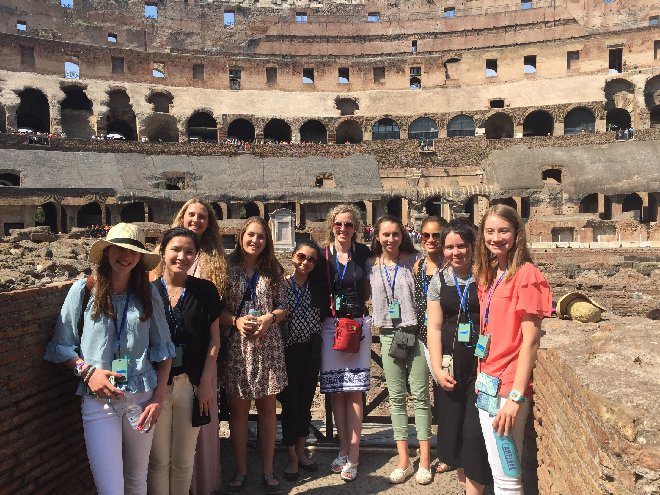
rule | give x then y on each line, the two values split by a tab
192	307
255	369
210	264
392	296
424	269
306	294
514	297
453	329
110	344
346	375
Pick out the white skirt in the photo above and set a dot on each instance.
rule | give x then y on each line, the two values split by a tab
345	371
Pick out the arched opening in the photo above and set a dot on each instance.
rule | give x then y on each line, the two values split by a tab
434	206
277	130
108	216
551	176
88	215
538	123
136	212
619	93
203	127
385	129
77	116
589	204
579	121
63	222
423	128
313	131
241	129
33	113
46	216
250	209
161	101
461	126
121	117
415	83
394	207
8	180
524	208
617	118
633	203
652	209
505	201
346	106
218	211
162	128
652	99
655	117
348	132
499	126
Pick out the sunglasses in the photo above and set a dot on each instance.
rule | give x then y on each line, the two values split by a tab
427	235
346	225
301	258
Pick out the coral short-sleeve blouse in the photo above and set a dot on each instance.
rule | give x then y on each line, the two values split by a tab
527	293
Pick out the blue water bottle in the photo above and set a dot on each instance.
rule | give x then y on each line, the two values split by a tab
506	447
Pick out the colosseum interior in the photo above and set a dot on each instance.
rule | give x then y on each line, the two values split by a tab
408	107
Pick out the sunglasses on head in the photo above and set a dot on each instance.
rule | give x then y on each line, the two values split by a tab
346	225
301	258
427	235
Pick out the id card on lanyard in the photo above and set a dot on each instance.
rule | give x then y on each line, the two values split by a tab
176	317
341	274
464	328
483	344
120	364
394	307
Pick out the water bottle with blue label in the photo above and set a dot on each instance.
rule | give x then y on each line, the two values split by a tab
506	447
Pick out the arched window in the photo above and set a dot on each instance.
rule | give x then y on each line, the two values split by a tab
202	126
423	128
617	118
241	129
313	131
460	126
499	126
348	132
538	123
578	121
385	129
277	130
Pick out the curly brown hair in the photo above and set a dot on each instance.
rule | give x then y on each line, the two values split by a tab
337	210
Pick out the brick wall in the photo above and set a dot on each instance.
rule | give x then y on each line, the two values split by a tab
42	448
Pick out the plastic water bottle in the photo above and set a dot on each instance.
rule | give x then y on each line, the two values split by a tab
133	416
506	447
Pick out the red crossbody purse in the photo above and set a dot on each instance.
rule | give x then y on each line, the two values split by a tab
348	332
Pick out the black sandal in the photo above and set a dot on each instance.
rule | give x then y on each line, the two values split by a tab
241	479
271	489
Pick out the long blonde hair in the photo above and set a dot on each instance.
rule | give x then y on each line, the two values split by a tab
485	265
338	210
211	254
267	264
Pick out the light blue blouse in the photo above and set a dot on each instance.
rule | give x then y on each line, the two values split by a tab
143	342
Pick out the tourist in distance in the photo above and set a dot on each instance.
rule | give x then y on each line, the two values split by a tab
112	332
513	297
346	375
453	329
391	277
192	307
210	264
301	332
255	369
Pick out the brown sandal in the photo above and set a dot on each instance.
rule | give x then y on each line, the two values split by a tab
443	468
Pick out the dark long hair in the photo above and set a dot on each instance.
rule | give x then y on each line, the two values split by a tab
317	279
178	232
406	243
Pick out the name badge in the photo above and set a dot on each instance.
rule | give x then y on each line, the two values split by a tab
177	361
337	303
120	365
464	331
482	347
394	310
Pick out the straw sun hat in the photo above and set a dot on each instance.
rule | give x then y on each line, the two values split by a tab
579	307
124	235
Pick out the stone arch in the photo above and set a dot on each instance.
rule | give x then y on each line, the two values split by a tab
121	117
619	93
203	126
394	206
10	179
551	175
277	130
384	129
655	117
89	214
137	211
347	106
635	204
499	126
76	113
349	132
538	123
49	211
505	201
652	93
249	209
423	128
161	101
435	206
579	120
217	209
589	204
313	131
241	129
617	118
162	128
33	111
461	126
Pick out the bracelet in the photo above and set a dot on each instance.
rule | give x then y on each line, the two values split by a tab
274	319
89	374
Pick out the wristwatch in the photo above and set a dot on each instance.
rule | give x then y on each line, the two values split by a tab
516	396
80	367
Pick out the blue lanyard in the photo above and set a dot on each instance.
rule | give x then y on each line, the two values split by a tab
465	296
342	274
425	284
119	331
252	285
490	294
297	293
391	281
175	314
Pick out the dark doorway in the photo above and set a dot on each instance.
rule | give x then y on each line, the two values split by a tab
313	131
203	126
277	130
33	112
538	123
499	126
349	132
241	129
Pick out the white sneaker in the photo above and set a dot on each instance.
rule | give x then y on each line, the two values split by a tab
400	475
423	476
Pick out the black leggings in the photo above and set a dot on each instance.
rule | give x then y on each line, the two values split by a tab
303	362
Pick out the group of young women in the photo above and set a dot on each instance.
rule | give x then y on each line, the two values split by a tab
150	356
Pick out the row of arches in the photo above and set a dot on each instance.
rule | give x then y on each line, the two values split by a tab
77	120
632	203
